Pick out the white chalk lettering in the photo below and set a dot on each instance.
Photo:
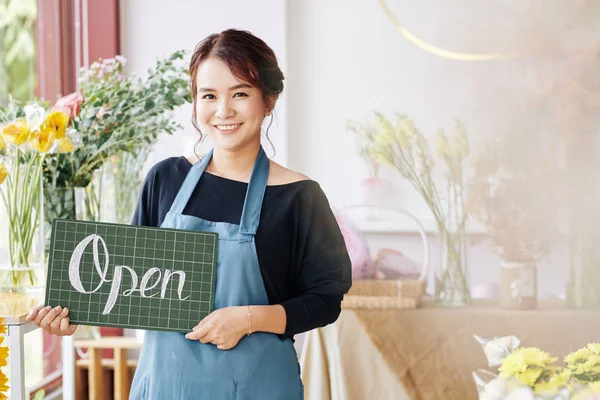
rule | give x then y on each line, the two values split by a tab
116	285
165	282
75	261
145	280
117	278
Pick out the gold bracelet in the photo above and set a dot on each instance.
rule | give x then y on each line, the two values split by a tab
249	321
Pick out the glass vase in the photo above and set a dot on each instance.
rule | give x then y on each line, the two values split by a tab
22	242
95	202
59	203
452	289
125	172
583	288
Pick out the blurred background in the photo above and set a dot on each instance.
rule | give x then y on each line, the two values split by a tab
456	141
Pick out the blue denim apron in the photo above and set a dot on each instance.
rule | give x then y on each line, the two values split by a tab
261	366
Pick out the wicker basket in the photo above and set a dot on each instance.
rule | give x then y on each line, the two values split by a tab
388	288
391	293
371	302
379	293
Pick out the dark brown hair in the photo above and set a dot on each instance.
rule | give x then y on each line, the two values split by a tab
249	59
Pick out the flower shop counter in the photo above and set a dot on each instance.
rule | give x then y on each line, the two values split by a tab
428	352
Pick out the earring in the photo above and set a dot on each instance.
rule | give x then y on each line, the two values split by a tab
268	113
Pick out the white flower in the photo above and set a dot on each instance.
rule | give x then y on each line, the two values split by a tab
34	116
497	348
494	390
522	393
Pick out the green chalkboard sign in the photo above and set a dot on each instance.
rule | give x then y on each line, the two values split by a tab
131	276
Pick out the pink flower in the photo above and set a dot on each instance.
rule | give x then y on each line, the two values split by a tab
70	104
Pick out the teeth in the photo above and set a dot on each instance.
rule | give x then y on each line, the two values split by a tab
227	127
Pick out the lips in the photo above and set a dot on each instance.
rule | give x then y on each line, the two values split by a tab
228	128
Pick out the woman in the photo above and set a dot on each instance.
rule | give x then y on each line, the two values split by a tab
282	265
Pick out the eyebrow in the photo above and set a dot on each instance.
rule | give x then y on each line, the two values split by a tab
240	86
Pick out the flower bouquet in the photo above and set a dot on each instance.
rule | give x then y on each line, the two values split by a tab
513	195
28	135
115	112
532	374
401	145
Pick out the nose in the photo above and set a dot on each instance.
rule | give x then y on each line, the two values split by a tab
225	111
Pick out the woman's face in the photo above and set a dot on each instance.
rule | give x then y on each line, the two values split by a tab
228	110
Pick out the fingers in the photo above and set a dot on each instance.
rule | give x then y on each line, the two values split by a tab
33	312
201	333
66	329
201	323
55	325
41	314
49	318
52	320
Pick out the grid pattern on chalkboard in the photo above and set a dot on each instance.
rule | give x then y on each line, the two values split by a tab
143	247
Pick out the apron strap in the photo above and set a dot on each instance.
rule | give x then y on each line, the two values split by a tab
189	184
255	195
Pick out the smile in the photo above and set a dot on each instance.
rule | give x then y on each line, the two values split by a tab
228	128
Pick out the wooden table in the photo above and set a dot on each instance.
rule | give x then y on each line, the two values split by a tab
428	352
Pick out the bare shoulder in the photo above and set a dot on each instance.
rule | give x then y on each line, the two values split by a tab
280	175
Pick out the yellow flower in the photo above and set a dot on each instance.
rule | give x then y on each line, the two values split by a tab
43	140
594	348
3	175
57	121
3	356
65	146
2	143
530	376
16	132
441	144
404	129
523	357
460	141
2	326
555	382
578	357
3	386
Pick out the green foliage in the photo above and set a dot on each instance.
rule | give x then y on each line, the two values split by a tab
120	113
17	49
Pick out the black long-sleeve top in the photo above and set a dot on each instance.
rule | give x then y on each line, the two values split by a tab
302	256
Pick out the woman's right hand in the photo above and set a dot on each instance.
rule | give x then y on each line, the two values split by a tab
53	320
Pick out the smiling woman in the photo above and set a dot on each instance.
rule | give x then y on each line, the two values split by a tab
249	83
282	266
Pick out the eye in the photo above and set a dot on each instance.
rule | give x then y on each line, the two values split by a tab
241	94
209	96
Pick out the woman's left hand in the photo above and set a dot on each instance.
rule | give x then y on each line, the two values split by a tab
223	327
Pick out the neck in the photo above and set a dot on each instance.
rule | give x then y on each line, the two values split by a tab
236	165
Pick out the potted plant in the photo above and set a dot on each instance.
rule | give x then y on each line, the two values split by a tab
115	112
400	144
513	196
